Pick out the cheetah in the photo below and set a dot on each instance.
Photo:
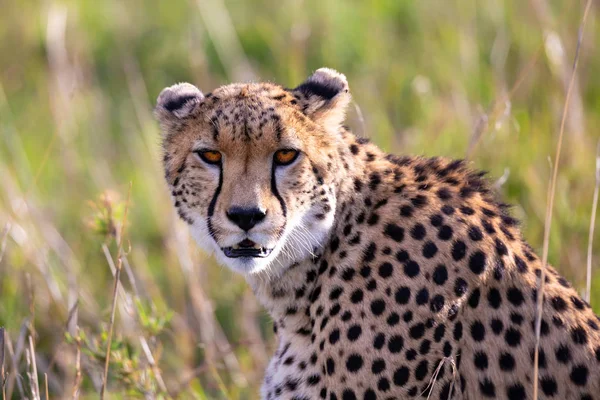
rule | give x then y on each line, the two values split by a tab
386	277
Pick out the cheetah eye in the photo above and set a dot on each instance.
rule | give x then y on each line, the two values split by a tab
285	156
210	156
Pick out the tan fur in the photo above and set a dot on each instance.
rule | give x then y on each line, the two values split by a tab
421	284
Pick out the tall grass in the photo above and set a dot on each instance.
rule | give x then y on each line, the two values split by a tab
483	79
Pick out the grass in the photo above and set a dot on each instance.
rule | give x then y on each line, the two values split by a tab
483	79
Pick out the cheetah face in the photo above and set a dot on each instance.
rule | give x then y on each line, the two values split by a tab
252	167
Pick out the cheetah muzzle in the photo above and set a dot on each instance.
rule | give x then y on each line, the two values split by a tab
386	277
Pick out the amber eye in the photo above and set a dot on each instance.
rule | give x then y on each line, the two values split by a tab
210	156
285	156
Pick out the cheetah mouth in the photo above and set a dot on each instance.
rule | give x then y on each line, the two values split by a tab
246	248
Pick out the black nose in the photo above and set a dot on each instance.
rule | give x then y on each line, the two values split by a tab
245	218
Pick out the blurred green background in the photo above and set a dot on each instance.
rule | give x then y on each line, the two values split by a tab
78	80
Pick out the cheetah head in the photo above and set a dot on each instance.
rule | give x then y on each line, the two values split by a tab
252	168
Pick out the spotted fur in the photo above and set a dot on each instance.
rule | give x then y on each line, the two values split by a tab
391	277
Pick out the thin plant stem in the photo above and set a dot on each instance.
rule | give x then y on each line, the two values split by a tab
550	207
114	296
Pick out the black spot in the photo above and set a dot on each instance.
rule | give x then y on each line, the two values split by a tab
458	331
477	331
579	375
395	232
421	370
406	211
577	302
401	376
378	366
348	394
563	354
383	385
440	274
377	307
515	296
579	335
417	331
334	336
356	296
348	274
516	392
395	344
474	298
393	319
477	262
439	332
460	287
354	363
512	337
436	220
497	326
459	250
448	210
501	248
487	388
444	194
445	233
422	296
467	210
330	364
370	252
402	256
548	385
370	395
506	362
437	303
379	341
429	250
521	266
480	360
385	270
354	332
494	298
411	268
475	233
402	295
418	232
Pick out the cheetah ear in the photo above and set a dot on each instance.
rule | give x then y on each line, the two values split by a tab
177	102
324	97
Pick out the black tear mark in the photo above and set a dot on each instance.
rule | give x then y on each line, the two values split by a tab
179	102
276	192
211	206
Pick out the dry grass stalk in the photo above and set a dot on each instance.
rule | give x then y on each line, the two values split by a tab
78	376
2	377
495	111
588	286
552	190
114	295
33	381
46	386
434	377
155	369
14	366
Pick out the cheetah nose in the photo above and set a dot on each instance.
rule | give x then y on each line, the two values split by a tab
245	218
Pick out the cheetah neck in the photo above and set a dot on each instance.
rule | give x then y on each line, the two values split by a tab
287	296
